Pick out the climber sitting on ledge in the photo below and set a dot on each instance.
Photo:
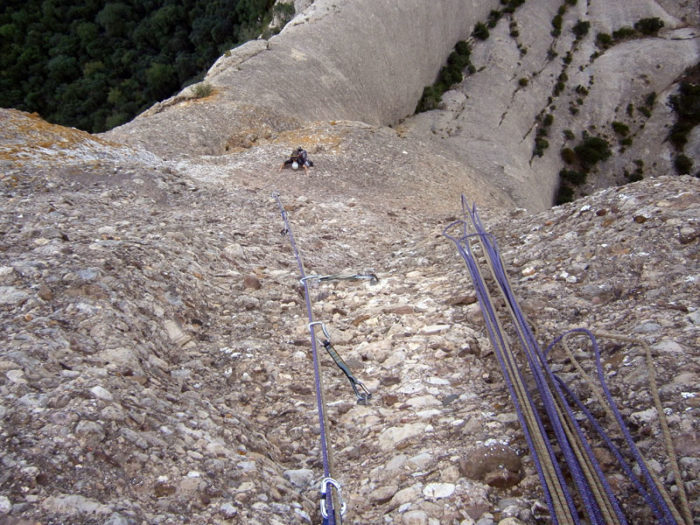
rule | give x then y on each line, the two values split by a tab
299	157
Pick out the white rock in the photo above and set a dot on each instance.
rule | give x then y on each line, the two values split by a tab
668	346
407	495
644	416
5	505
423	401
392	436
439	490
73	505
16	376
101	393
301	478
415	517
12	295
228	510
434	329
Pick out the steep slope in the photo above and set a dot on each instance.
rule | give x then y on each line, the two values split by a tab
363	61
156	361
156	364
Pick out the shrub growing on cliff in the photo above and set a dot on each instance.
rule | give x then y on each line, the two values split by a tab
574	177
480	31
541	144
591	151
463	48
511	5
649	26
603	40
449	75
623	32
556	25
683	164
686	104
202	90
494	17
564	194
581	28
429	100
620	128
568	155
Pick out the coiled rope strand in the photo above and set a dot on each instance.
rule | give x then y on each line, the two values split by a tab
599	503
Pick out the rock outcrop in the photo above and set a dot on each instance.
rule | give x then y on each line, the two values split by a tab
368	61
155	365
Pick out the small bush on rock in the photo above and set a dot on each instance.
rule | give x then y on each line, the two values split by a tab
620	128
541	144
581	28
649	26
568	155
564	194
683	164
202	90
480	31
574	177
591	151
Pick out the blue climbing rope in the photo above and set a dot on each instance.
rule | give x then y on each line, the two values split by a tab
598	500
327	511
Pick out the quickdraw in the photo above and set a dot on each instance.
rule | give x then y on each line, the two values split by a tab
361	392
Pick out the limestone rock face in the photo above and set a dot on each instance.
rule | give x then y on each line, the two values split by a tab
368	61
364	60
156	365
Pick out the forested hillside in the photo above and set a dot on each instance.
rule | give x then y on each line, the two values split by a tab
95	64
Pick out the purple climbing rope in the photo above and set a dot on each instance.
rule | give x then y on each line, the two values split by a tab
652	496
551	390
330	518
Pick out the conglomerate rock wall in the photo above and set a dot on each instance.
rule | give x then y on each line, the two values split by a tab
155	362
156	366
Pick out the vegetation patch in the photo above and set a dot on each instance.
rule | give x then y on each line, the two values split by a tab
480	31
620	128
637	174
686	105
581	28
95	65
202	90
449	75
494	16
649	26
592	150
565	194
541	143
511	5
643	27
683	164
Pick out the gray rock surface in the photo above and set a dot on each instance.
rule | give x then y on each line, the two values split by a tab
368	61
143	380
156	366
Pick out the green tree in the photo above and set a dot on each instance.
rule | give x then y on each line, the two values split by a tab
161	80
115	19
